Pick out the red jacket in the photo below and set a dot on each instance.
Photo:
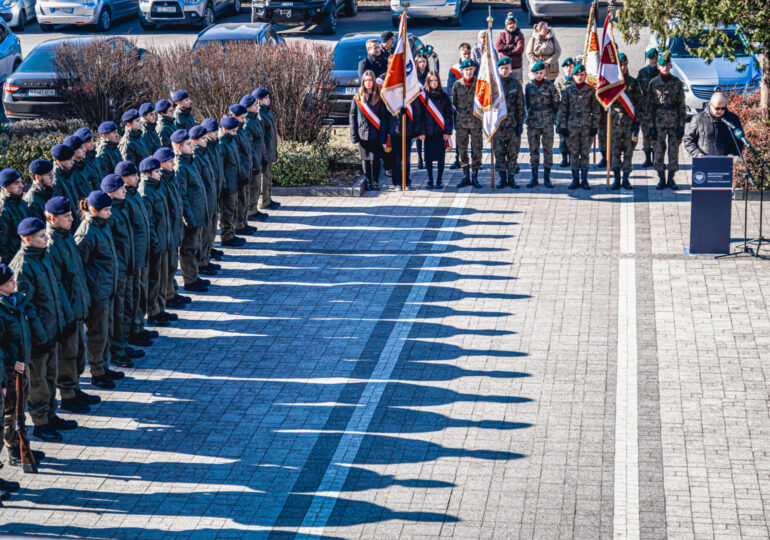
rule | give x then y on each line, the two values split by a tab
511	45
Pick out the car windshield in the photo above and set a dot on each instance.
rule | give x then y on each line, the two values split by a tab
681	47
38	60
347	54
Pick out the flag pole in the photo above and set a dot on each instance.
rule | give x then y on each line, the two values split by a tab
404	157
491	20
609	138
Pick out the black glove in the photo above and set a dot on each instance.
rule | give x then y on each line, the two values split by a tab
680	132
564	132
593	131
653	134
635	129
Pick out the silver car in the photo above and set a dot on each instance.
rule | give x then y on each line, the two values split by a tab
17	13
97	13
430	9
200	13
563	9
702	80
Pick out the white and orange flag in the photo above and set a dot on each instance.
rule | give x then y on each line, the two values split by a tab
611	85
591	51
401	85
489	101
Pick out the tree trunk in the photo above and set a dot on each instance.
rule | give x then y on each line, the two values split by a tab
764	99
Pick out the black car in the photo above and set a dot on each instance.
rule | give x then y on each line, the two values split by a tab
348	52
321	12
254	33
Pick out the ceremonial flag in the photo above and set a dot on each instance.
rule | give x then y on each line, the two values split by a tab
401	85
611	82
489	101
591	51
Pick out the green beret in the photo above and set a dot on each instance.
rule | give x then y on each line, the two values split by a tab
537	66
504	61
664	59
652	53
622	58
579	68
468	62
568	62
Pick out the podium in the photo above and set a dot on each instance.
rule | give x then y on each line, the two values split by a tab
711	206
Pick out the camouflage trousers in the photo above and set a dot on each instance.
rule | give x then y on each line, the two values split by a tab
622	148
477	146
603	131
646	141
667	140
579	143
507	145
536	136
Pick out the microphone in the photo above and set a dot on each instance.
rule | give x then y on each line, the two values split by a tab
728	123
741	136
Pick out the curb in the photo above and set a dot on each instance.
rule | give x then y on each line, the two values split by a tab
753	195
356	190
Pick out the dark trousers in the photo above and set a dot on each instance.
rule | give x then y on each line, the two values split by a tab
42	384
228	203
118	327
98	337
157	279
169	291
72	359
188	254
397	160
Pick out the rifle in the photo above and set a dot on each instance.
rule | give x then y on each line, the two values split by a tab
27	459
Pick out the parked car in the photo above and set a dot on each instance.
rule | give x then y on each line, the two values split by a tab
17	13
10	52
702	80
200	13
99	13
324	13
258	33
431	9
348	52
33	90
562	9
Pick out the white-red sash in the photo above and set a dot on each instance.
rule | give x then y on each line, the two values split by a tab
432	109
456	70
367	112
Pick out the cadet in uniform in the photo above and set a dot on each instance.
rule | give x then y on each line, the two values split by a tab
183	116
108	153
43	306
624	128
467	126
98	255
542	101
244	183
13	210
561	83
507	139
78	177
207	174
269	149
64	178
92	170
150	138
75	299
667	116
646	74
214	150
228	198
578	116
165	125
132	144
256	135
464	51
41	171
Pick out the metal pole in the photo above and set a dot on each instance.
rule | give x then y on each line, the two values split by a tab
490	20
404	157
609	138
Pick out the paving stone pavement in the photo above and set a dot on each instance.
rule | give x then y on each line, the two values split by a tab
516	364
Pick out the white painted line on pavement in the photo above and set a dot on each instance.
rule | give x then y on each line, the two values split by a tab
627	227
336	473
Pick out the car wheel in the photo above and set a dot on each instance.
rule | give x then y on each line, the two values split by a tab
328	24
104	21
237	7
46	27
457	20
22	21
351	8
208	17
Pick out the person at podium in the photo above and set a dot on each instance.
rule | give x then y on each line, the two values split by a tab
712	131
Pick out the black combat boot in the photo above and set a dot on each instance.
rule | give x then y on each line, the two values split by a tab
455	165
429	185
564	160
671	182
584	175
512	181
626	183
533	182
661	180
575	180
475	179
466	181
647	159
602	162
615	183
503	179
547	178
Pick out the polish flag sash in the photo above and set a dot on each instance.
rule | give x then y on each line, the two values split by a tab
367	112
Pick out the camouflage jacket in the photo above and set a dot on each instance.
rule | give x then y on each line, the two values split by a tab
579	108
542	104
665	104
620	118
462	101
514	102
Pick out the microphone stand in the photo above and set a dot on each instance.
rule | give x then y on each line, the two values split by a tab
763	176
747	178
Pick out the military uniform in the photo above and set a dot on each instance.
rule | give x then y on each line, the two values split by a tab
209	176
108	155
36	197
183	118
165	127
193	214
172	190
92	172
132	147
13	209
150	137
214	152
123	239
154	199
228	199
256	133
65	184
507	138
562	83
578	117
542	105
269	156
467	126
244	183
646	74
15	346
138	276
624	131
666	116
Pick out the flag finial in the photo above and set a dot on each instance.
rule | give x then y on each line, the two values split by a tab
490	19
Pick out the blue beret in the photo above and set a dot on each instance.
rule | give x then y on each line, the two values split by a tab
229	122
179	136
73	142
504	61
5	274
567	62
130	115
579	68
62	152
145	108
248	100
261	93
58	205
8	177
40	166
29	226
210	124
111	182
468	62
99	200
196	132
125	168
163	154
107	127
84	134
652	53
149	164
237	109
162	105
179	95
537	66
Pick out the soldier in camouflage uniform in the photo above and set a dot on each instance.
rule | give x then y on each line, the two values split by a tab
561	83
467	126
578	117
646	74
507	138
625	129
667	116
542	100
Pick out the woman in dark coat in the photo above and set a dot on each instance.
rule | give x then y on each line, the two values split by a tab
369	125
421	63
437	110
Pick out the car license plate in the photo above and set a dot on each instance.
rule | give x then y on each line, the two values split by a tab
286	4
166	9
350	90
41	92
63	10
284	13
